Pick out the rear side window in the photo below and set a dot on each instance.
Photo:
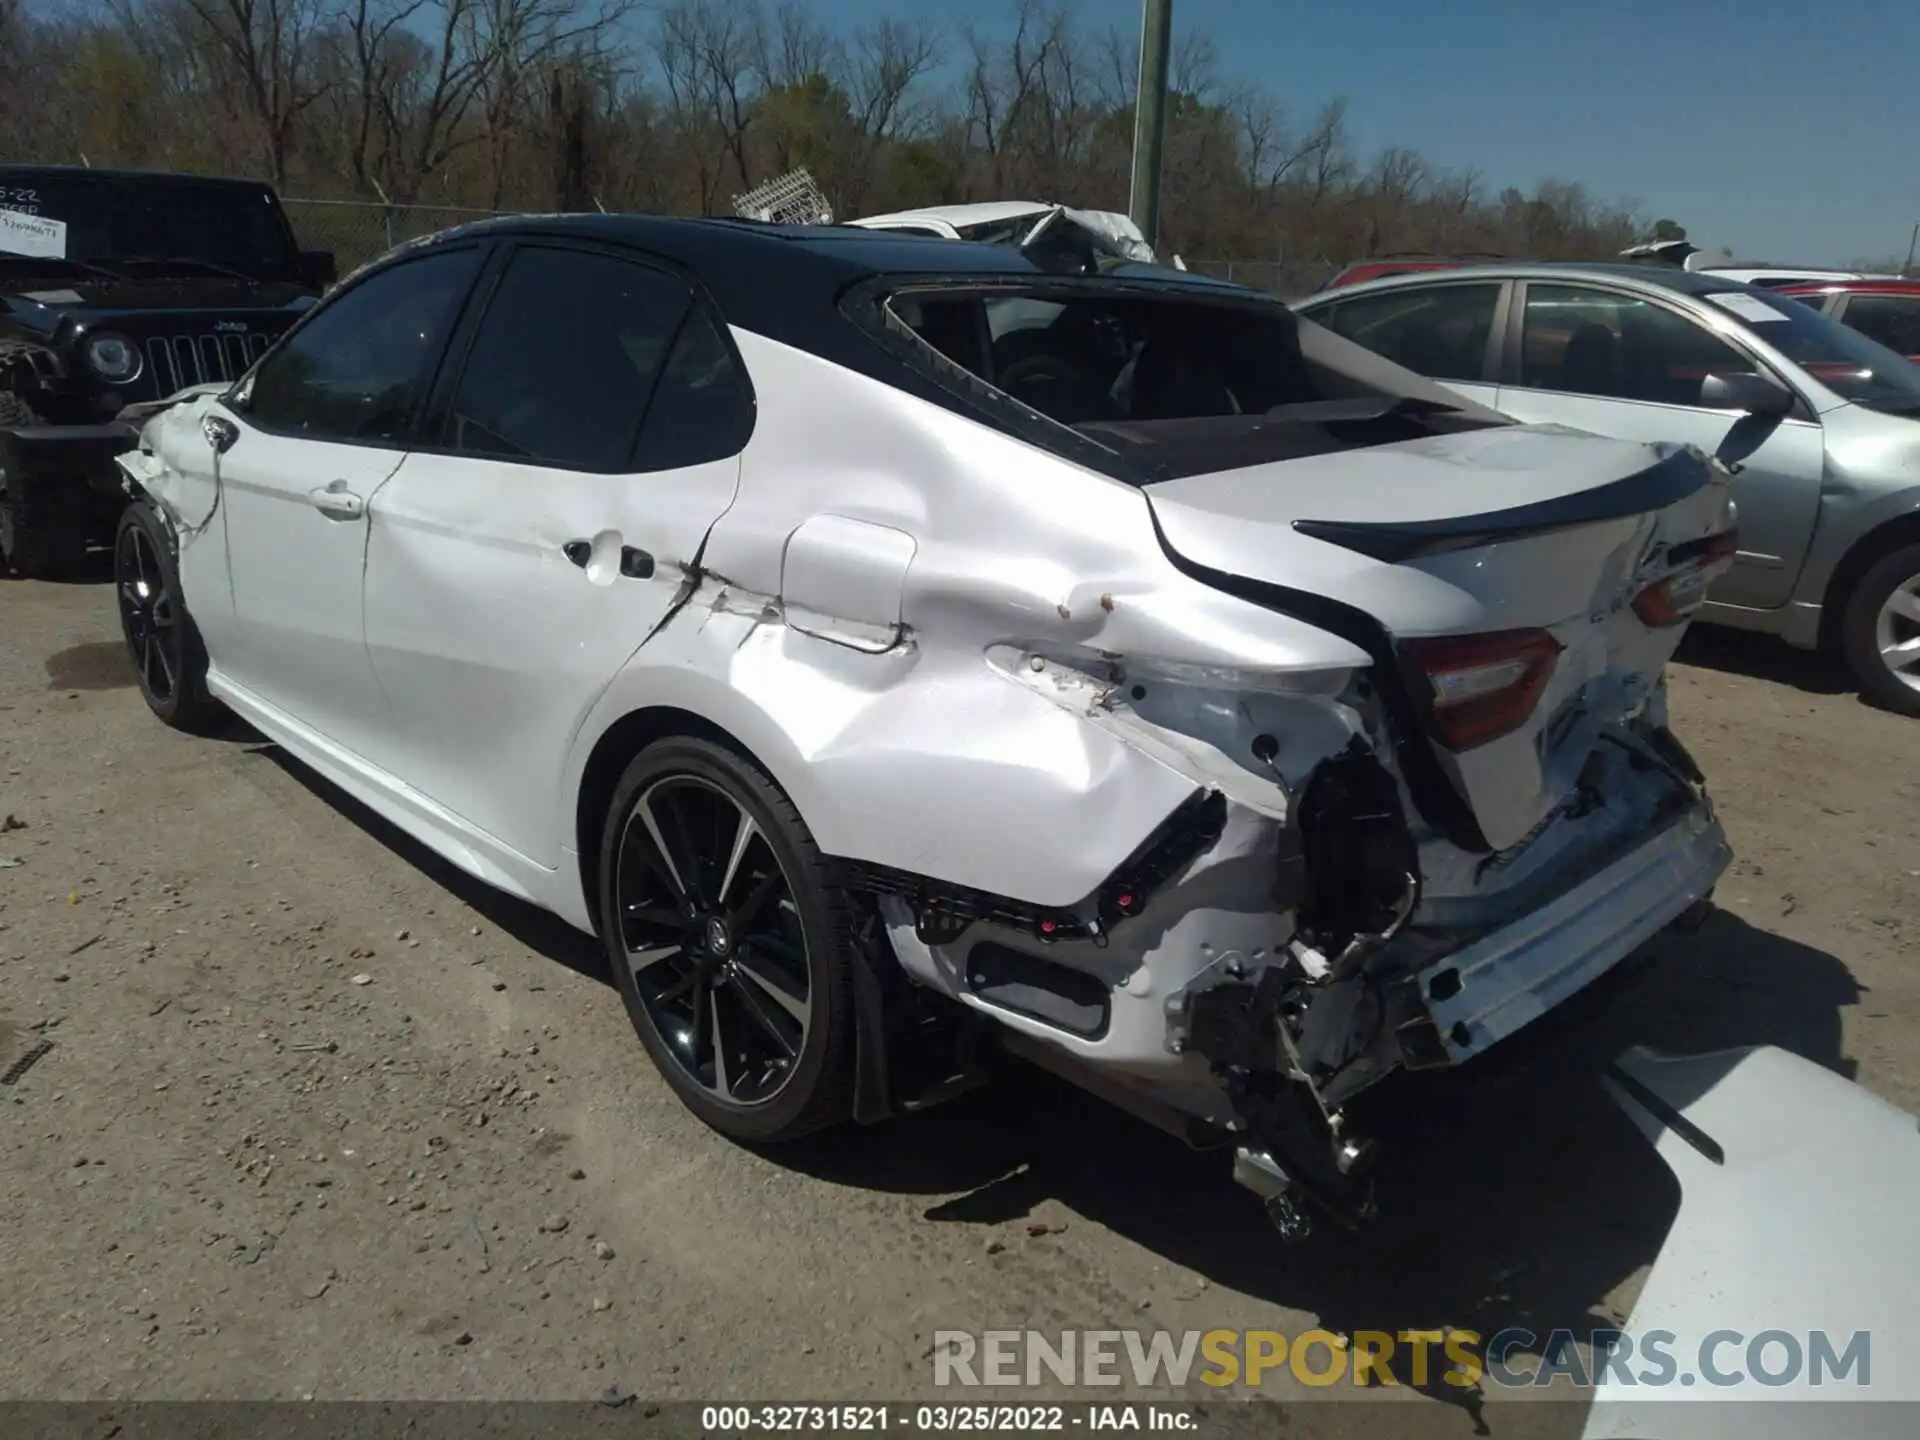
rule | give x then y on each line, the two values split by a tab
1893	320
1440	332
702	409
562	367
1598	342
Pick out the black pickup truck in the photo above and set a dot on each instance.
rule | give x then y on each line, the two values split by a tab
117	289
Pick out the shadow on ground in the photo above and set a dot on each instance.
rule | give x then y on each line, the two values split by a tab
96	569
1763	657
1512	1192
533	927
102	665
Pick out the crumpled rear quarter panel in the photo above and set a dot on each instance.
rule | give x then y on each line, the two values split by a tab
923	756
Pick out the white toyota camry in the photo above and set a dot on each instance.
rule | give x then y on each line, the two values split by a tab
899	650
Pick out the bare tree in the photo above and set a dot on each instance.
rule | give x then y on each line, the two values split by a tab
423	70
268	45
503	103
710	54
888	66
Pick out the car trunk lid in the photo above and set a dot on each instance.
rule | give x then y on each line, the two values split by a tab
1528	583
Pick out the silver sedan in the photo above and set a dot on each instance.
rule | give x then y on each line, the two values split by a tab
1820	424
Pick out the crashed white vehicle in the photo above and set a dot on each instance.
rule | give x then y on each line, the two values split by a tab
1159	686
1020	222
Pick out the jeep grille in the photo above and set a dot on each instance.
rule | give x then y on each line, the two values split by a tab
182	360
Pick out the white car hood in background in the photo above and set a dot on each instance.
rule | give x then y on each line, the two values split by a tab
1800	1213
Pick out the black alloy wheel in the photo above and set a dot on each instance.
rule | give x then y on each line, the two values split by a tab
168	658
728	942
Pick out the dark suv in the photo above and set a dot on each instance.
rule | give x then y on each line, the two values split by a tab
118	288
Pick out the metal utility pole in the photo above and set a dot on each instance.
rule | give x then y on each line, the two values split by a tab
1150	116
1907	269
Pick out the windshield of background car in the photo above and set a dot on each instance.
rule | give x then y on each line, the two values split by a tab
115	218
1179	383
1844	360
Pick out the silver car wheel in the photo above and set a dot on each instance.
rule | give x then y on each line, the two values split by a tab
1897	633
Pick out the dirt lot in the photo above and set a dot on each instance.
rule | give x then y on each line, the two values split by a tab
324	1118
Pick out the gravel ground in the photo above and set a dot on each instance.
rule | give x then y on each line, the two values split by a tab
322	1117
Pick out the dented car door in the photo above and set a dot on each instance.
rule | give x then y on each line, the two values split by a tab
571	467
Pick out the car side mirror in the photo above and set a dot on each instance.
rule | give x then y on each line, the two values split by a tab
1755	394
318	268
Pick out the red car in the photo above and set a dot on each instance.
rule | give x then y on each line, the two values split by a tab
1385	265
1883	310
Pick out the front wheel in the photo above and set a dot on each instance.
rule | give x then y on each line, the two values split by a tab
169	660
1881	632
730	943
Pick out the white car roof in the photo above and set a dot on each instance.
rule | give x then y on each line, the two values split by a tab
985	212
1746	275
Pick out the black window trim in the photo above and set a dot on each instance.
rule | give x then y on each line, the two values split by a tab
431	437
1516	330
1490	360
462	307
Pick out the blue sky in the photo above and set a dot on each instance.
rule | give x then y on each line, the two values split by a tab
1786	131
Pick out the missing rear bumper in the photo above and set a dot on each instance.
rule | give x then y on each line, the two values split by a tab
1483	992
1292	1047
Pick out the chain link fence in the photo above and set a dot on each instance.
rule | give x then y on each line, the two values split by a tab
357	231
1288	279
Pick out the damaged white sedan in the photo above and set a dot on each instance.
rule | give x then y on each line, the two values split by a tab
899	651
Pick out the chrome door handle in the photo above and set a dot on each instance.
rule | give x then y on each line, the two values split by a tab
336	502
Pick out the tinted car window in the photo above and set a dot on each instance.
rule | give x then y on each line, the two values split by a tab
1893	320
562	365
703	408
1596	342
359	367
1840	357
1440	332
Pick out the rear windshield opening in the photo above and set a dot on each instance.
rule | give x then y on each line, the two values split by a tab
1181	385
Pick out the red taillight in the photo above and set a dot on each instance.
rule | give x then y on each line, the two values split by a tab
1675	599
1483	686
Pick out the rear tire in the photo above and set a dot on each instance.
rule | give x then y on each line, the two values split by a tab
1880	632
729	941
169	658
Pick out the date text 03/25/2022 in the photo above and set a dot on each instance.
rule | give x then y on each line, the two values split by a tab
945	1419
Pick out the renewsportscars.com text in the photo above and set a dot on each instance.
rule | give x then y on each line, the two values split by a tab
1164	1359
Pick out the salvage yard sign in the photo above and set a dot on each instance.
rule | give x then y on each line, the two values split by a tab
22	234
